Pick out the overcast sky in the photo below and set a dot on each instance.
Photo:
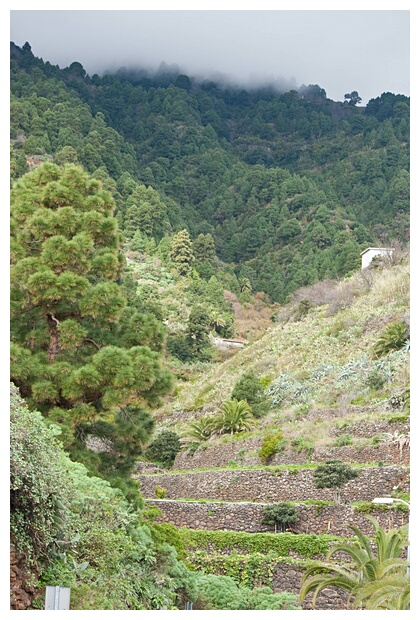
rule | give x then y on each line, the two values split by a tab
341	51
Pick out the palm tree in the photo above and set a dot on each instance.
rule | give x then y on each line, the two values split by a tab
369	579
201	429
391	592
216	320
235	416
393	338
399	438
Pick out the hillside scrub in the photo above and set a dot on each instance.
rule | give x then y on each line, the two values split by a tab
319	361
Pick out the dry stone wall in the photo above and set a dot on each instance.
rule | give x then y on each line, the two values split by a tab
268	485
288	578
246	452
246	517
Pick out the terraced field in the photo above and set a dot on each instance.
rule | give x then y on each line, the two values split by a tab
324	400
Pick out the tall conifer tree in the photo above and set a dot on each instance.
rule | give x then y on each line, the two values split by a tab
70	355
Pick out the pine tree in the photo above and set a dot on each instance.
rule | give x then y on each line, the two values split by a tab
77	353
181	252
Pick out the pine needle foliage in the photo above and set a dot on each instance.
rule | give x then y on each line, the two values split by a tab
79	354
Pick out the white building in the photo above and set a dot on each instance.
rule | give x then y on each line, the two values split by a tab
369	254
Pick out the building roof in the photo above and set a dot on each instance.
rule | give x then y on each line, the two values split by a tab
381	249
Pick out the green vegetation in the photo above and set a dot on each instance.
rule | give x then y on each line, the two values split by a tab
283	515
222	592
271	444
78	531
249	388
394	337
150	215
332	475
79	354
164	448
375	579
305	545
234	417
290	187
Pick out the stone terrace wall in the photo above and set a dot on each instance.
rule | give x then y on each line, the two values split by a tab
272	485
288	578
246	517
219	455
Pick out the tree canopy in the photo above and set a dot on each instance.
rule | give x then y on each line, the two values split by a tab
78	352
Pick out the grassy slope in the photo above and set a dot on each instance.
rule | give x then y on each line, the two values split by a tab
324	358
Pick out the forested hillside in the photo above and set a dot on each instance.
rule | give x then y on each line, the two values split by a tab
156	221
291	186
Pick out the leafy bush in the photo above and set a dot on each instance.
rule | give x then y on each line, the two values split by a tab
250	388
271	444
222	592
164	448
38	510
82	532
344	440
160	492
179	347
283	514
300	444
376	380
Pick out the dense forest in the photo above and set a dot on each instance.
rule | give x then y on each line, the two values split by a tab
142	207
291	187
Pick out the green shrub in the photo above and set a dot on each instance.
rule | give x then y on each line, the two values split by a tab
179	347
344	440
250	388
300	444
271	444
222	592
38	507
376	380
78	531
164	448
160	492
282	515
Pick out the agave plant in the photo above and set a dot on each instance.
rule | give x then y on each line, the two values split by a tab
372	581
399	438
234	417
